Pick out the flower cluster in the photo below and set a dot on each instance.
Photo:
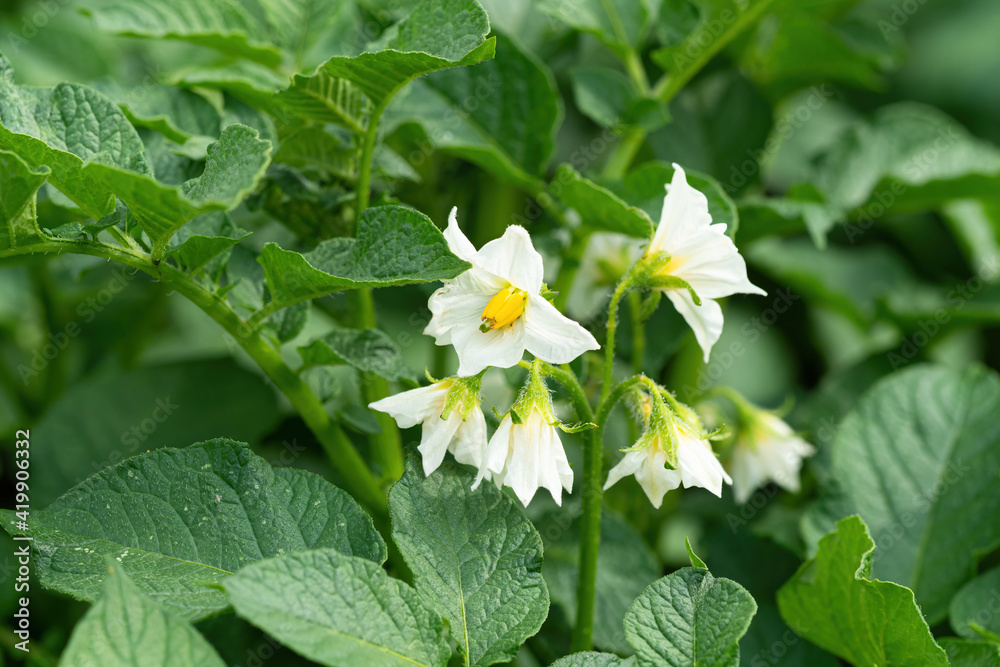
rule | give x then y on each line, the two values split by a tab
497	310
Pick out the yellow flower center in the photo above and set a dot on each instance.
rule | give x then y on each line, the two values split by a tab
503	309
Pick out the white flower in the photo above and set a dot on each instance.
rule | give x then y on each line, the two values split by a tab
451	416
647	460
702	256
767	450
493	312
525	452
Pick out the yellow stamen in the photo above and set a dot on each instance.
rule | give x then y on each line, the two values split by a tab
503	309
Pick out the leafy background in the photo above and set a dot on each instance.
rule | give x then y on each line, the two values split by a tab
851	147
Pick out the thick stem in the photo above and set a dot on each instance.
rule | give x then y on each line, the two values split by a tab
386	445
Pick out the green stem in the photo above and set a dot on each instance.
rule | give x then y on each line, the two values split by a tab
638	332
609	344
341	451
387	446
592	499
570	266
618	164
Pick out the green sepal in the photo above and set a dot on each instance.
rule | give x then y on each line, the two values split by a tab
578	427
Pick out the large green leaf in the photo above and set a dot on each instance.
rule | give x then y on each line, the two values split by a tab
64	126
625	566
501	115
593	659
908	157
369	350
299	24
180	521
236	162
393	246
176	113
620	24
917	459
437	35
833	602
325	98
975	609
339	610
598	207
225	25
19	185
476	559
965	653
689	618
125	628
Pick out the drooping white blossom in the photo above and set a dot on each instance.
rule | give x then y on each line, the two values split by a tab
494	311
669	437
451	419
525	452
766	450
701	257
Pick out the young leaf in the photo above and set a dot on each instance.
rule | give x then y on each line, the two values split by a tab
124	624
832	602
917	453
224	25
476	559
203	239
60	128
339	610
19	185
325	98
618	23
437	35
975	610
688	618
369	350
236	162
602	94
179	521
693	557
393	246
598	207
501	115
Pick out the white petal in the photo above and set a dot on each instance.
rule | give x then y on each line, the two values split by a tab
469	445
457	241
655	478
522	466
705	320
698	465
409	408
551	336
514	258
497	452
476	350
709	261
748	475
629	465
436	436
460	303
554	472
685	210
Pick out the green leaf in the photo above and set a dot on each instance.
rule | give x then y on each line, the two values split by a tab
176	113
476	560
339	610
765	216
908	157
180	521
437	35
19	185
501	115
964	653
618	23
598	207
325	98
594	659
299	24
625	566
689	618
369	350
975	609
718	23
236	162
602	94
124	624
918	451
203	239
224	25
315	148
248	82
693	557
833	602
64	126
394	246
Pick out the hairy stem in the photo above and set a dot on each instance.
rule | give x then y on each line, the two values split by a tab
609	344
